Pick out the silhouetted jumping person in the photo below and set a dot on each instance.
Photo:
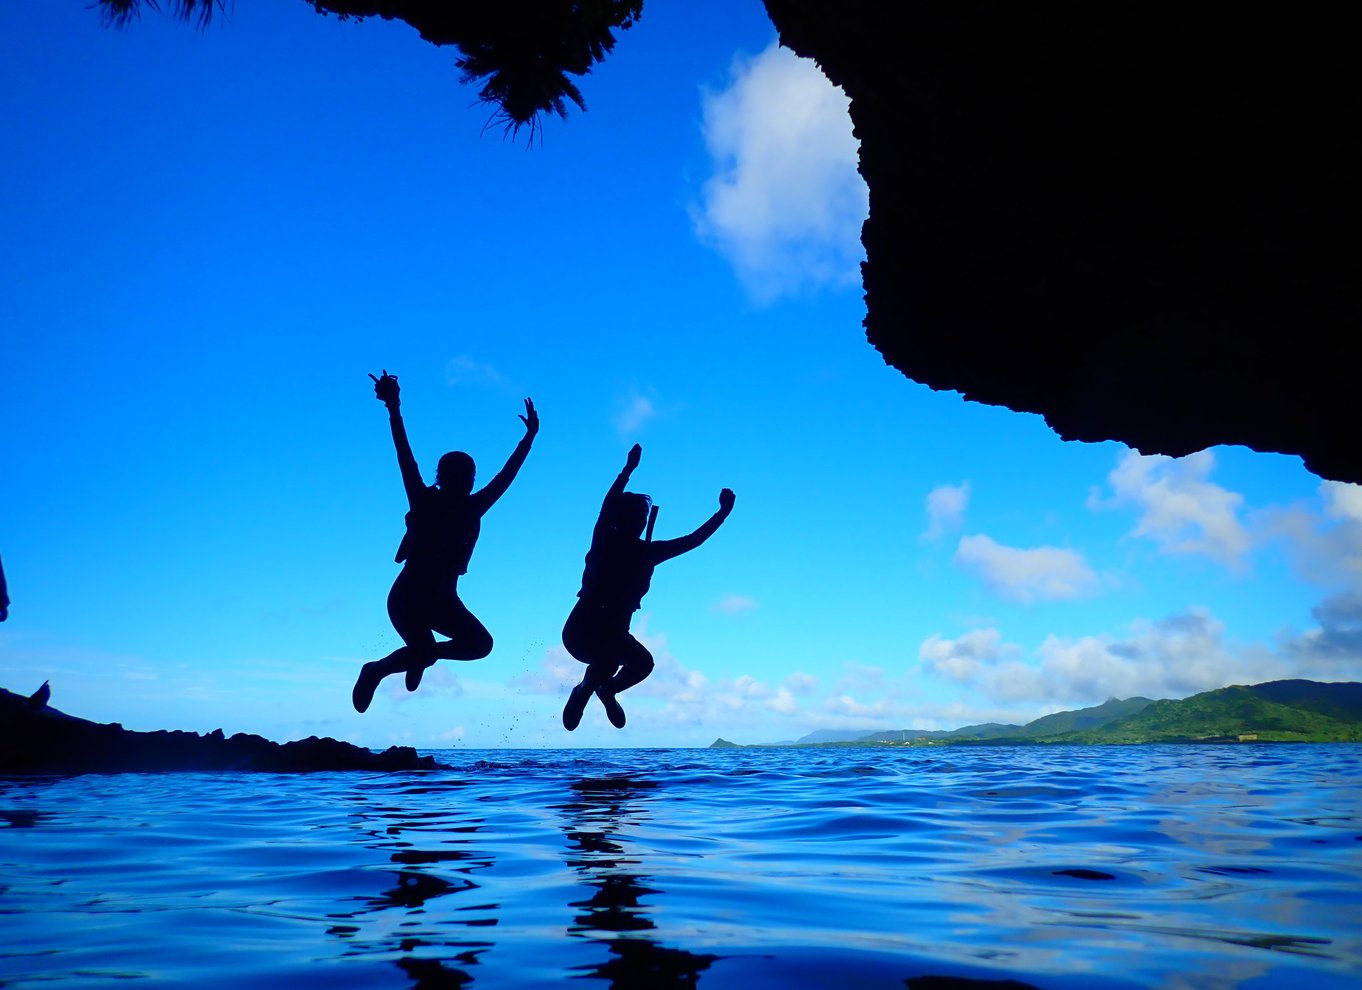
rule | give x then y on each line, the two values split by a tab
619	570
442	526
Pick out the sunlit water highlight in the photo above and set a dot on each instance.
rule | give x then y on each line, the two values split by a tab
1196	867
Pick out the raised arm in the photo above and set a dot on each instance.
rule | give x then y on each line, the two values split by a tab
388	393
617	487
667	549
485	498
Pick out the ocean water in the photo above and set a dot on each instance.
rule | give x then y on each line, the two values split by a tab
1169	866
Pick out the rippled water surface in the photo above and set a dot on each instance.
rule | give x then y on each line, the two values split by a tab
1197	867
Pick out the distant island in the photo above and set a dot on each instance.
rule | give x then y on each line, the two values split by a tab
1275	711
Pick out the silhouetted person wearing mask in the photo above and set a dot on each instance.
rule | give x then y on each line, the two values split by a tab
619	569
442	527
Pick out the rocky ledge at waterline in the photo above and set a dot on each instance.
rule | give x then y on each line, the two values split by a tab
35	738
1275	711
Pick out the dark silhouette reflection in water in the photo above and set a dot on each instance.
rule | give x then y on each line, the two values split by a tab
431	974
436	854
617	913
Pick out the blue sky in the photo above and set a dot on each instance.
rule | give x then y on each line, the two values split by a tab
208	240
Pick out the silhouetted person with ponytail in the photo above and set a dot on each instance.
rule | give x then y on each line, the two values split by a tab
442	527
619	570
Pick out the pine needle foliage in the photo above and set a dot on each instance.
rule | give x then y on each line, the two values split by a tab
119	13
520	53
523	62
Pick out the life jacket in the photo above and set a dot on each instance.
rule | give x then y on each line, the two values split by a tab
441	532
618	573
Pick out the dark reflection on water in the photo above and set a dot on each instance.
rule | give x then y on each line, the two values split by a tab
1138	868
616	913
422	834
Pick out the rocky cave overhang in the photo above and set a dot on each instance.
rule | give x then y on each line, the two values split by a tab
1138	220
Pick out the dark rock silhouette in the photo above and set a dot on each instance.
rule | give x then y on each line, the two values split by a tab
38	699
41	739
1134	219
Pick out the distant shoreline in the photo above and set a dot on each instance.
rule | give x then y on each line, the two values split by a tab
1287	711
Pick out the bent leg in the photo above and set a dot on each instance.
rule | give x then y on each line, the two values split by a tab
404	658
468	638
405	608
588	639
636	665
596	677
418	610
615	660
409	608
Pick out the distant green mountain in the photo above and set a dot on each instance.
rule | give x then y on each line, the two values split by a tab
986	730
1342	700
1275	711
1109	711
1235	712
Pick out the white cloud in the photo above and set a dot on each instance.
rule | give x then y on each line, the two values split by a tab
1180	509
1342	501
1333	651
1341	544
860	677
464	370
785	701
1325	546
845	704
437	680
556	674
945	509
1026	575
734	604
1172	658
673	694
634	413
965	658
785	203
747	686
845	711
